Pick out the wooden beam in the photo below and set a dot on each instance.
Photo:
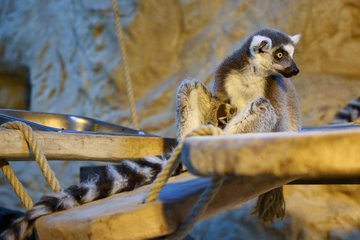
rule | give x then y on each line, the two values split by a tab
308	154
124	216
71	146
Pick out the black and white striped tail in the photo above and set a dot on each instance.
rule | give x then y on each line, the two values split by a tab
350	113
125	176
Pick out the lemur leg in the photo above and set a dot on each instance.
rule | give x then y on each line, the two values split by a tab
193	104
258	116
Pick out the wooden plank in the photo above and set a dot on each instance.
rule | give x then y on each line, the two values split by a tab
309	154
123	216
63	146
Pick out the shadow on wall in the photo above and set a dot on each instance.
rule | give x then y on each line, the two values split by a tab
15	87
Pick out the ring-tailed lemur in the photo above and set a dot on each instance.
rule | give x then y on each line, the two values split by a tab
250	95
254	81
254	75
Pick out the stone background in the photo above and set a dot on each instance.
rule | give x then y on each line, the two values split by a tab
62	56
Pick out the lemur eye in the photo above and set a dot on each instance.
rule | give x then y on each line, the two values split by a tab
279	55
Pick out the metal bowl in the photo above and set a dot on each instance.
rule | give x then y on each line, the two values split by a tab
65	123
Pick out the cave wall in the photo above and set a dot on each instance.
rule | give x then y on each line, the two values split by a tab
70	48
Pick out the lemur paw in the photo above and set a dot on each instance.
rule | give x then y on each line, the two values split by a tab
260	105
266	116
264	107
258	116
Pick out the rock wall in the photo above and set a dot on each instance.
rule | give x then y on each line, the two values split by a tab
70	47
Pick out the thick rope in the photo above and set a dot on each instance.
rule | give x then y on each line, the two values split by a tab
174	160
198	209
38	153
16	184
129	89
206	196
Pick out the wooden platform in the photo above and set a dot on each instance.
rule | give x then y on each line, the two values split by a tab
309	154
253	164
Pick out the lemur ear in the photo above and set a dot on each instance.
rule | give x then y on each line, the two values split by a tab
260	44
296	38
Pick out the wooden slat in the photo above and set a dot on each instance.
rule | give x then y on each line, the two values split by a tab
123	216
62	146
309	154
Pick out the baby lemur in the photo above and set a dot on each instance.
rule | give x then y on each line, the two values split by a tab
251	94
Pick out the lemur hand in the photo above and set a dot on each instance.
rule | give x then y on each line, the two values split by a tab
258	116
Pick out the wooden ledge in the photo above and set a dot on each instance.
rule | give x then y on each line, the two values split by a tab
63	146
310	154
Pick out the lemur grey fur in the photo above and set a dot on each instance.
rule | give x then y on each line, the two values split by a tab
250	95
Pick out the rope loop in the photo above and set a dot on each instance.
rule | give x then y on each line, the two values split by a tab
174	160
36	149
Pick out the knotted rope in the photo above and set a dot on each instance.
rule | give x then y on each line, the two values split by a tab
204	199
39	157
174	160
129	89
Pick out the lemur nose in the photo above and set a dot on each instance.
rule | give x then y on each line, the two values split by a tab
296	71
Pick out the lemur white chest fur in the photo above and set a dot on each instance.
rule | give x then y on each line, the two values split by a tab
242	87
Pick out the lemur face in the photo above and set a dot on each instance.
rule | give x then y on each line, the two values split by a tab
274	53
